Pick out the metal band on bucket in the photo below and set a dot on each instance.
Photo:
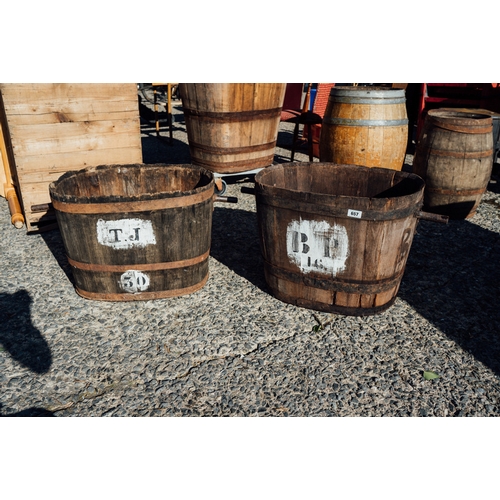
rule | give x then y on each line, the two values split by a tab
234	116
232	166
132	206
469	155
336	285
163	294
155	266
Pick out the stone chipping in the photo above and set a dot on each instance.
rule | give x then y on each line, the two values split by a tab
232	349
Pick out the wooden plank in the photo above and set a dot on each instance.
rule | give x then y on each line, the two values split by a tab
49	171
15	93
79	112
75	137
62	130
36	175
34	105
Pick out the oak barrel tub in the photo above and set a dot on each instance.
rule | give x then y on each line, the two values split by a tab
136	232
336	238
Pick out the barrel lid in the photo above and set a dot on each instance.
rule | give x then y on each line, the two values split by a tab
367	92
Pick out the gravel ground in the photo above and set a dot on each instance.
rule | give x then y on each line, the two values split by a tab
232	349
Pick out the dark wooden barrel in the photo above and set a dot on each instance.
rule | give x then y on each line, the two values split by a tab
365	126
336	238
454	156
495	125
136	232
232	127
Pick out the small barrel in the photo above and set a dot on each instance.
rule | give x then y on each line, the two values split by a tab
454	156
495	116
365	126
336	238
232	127
136	232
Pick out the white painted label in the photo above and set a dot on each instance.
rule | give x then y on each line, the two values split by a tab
317	246
354	213
125	233
134	281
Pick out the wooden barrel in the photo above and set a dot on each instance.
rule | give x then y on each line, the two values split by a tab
136	232
336	238
232	127
454	156
495	125
365	126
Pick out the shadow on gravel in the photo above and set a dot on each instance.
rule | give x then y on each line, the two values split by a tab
452	279
30	412
54	242
159	150
19	337
494	184
235	243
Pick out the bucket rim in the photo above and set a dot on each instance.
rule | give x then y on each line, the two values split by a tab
487	112
308	165
460	115
55	186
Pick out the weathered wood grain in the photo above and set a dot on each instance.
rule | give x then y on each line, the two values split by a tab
232	127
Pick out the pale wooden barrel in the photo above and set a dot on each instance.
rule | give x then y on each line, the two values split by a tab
232	127
365	126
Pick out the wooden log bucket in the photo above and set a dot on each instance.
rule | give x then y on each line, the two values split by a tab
336	238
232	127
454	156
365	126
136	232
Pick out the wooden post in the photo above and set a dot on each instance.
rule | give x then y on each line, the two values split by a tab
17	217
